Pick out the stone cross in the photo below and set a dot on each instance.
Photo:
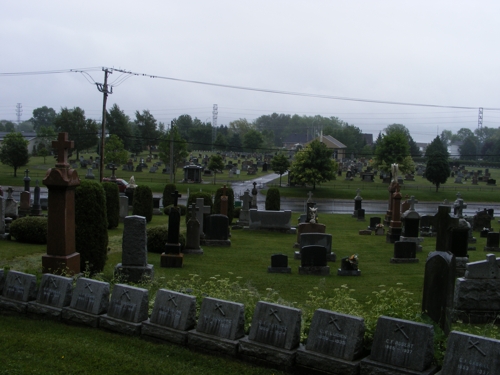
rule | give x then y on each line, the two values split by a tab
62	145
113	169
26	180
9	192
176	196
246	198
357	192
200	212
412	203
459	206
194	210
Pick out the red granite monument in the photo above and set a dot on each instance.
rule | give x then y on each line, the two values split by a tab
61	181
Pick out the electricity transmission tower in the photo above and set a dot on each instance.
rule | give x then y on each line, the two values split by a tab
19	112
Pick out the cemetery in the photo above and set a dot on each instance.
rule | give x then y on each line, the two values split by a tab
286	294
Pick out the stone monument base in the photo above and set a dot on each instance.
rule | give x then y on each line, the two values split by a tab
393	235
212	344
323	271
163	333
36	309
461	266
404	260
266	355
348	272
193	251
317	361
369	367
13	306
66	264
171	260
134	274
331	257
494	249
417	240
120	326
279	269
71	315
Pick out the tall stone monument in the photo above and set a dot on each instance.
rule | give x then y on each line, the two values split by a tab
61	182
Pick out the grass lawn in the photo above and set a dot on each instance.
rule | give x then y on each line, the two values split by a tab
46	347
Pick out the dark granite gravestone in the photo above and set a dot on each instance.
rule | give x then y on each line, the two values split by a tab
468	354
2	281
425	225
334	343
492	242
173	315
314	260
361	214
439	288
404	252
172	257
90	299
36	209
400	345
321	239
202	210
482	220
274	335
193	234
218	231
358	200
279	264
457	244
220	326
374	221
244	218
349	266
127	310
303	228
484	233
134	266
53	294
443	221
19	289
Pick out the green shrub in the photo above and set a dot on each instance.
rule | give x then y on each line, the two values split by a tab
112	204
91	223
237	212
143	202
182	209
273	202
30	229
157	239
230	202
207	201
167	194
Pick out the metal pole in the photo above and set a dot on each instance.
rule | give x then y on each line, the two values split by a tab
171	153
104	89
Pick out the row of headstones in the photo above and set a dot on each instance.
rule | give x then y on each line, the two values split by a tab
334	344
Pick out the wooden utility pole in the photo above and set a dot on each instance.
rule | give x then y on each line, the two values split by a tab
104	89
172	152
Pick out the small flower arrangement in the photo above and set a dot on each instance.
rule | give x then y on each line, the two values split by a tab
379	226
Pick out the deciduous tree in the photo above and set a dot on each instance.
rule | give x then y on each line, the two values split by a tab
216	164
438	168
179	145
252	140
14	151
280	164
118	123
114	151
43	117
314	165
393	148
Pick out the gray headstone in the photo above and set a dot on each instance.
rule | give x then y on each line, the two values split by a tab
19	286
320	239
276	325
469	354
129	303
55	291
123	207
402	343
174	310
336	335
90	296
221	318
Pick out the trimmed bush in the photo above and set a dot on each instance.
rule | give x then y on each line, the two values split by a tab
30	229
157	239
143	202
112	204
230	202
167	197
273	202
237	212
182	209
91	225
207	201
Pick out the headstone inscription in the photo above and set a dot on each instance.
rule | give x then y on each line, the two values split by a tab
398	345
61	182
53	294
468	354
335	341
134	266
19	289
439	288
128	308
220	326
274	335
279	264
173	315
90	299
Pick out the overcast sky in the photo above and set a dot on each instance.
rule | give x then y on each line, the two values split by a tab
429	52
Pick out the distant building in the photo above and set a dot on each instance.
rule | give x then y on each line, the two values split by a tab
294	140
29	136
453	149
422	146
337	147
